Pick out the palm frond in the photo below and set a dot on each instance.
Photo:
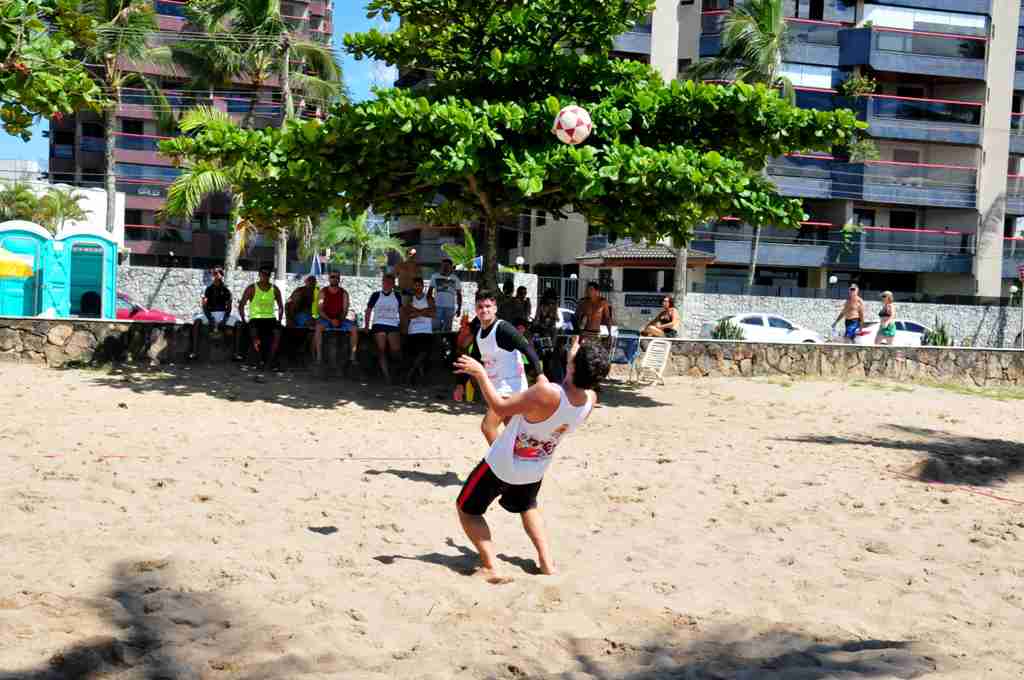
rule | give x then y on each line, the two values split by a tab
188	190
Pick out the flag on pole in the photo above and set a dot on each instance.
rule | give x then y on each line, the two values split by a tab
478	263
314	266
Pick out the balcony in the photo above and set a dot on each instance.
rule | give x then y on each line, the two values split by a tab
803	176
813	42
1015	195
633	42
141	233
170	8
898	50
820	244
928	185
1018	73
917	250
923	120
133	142
970	6
1013	256
62	151
1017	133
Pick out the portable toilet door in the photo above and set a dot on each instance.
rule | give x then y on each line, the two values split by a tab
87	277
22	247
55	281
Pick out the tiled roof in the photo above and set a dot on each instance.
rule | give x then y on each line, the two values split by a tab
639	251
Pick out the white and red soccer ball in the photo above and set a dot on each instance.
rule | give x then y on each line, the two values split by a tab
572	125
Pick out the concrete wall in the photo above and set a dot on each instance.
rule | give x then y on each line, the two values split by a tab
560	241
970	325
974	367
179	291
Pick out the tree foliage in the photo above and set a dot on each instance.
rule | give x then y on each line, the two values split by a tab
462	255
352	239
19	201
663	158
37	77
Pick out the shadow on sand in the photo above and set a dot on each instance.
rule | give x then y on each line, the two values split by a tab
444	479
952	458
302	389
165	633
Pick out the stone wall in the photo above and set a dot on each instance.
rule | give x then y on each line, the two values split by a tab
58	342
973	326
178	291
977	367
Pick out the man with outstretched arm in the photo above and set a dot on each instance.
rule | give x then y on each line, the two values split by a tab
502	349
514	467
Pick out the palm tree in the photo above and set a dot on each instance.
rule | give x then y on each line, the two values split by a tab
60	206
464	255
755	37
353	239
18	202
304	66
121	48
204	178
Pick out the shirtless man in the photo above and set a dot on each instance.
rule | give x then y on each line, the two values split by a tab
502	349
853	313
514	467
592	313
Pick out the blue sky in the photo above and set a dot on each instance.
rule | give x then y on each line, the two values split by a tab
349	17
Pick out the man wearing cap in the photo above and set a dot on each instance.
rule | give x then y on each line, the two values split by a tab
216	310
265	323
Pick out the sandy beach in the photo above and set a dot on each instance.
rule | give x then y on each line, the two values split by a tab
198	524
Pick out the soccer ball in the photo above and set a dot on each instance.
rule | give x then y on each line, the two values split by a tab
572	125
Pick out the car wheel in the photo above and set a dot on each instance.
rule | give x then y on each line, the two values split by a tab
809	341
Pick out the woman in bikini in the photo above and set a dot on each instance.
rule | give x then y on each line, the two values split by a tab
886	321
666	323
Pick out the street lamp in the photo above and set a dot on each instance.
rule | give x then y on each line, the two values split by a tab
1013	291
833	280
520	261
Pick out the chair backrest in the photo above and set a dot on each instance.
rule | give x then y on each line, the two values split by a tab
656	356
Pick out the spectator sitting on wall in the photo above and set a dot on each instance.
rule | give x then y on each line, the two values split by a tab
216	311
525	304
301	309
265	325
333	306
407	270
666	323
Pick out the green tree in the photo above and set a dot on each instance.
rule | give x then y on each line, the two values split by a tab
755	37
352	239
38	77
462	256
304	66
59	206
18	202
124	29
204	177
663	158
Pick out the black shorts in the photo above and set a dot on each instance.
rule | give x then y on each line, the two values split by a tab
383	328
483	486
264	326
419	343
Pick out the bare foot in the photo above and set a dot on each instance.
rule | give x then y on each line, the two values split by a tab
491	576
548	569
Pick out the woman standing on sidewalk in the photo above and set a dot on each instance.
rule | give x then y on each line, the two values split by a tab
886	321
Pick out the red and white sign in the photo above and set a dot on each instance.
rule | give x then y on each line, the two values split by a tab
1020	272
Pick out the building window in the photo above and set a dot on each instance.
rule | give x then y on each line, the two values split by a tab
605	279
902	219
639	280
540	218
133	216
92	130
133	127
864	217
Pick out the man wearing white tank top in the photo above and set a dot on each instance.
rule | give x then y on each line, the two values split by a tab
512	472
502	351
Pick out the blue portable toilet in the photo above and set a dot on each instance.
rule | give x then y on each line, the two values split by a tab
23	249
73	275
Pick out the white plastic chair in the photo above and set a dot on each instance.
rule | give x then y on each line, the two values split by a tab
654	361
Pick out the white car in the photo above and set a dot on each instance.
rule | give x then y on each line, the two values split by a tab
908	333
766	328
565	323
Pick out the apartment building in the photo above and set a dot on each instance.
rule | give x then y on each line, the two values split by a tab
941	210
77	149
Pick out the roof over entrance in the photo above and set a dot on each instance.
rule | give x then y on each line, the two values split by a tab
641	255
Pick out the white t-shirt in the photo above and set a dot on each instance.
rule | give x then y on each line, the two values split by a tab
421	324
445	289
385	308
523	451
504	367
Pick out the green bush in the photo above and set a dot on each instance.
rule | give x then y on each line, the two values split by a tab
727	330
938	336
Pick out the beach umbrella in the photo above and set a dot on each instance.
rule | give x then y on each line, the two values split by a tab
14	266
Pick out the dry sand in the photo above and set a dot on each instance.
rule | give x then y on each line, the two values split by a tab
200	525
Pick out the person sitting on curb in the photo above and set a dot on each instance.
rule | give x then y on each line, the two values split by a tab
385	308
301	309
216	311
666	323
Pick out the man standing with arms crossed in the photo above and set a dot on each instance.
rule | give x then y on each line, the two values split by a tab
446	289
502	349
514	467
